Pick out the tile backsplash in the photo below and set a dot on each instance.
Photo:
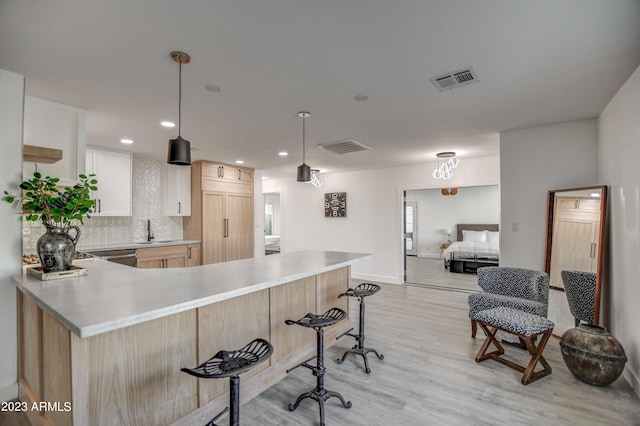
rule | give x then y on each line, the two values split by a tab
148	187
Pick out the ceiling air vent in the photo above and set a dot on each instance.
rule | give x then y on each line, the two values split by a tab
344	147
455	79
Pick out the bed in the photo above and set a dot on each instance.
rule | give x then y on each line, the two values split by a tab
477	245
271	244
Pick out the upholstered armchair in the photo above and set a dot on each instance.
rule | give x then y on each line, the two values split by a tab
580	288
523	289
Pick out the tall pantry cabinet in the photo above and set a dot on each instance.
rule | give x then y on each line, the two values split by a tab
221	211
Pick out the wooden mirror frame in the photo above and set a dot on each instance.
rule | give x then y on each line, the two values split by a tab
551	203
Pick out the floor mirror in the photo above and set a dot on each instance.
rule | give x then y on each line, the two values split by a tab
575	235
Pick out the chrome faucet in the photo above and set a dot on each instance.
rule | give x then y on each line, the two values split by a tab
149	234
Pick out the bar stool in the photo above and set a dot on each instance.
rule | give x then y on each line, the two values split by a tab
361	291
320	394
231	364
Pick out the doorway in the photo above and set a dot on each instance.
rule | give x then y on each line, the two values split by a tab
411	228
272	225
436	213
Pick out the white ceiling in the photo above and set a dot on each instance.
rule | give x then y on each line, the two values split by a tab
538	62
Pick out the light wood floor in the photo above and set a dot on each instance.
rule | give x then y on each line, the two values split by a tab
431	272
429	377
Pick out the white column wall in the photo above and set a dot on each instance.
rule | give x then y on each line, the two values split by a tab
11	112
532	162
374	211
619	153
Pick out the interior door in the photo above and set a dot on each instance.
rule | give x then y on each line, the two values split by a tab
411	228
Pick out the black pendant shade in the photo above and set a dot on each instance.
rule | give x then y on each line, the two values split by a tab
304	173
179	153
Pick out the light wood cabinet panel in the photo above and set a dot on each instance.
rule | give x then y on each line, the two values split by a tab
222	211
163	257
212	228
252	311
193	255
239	213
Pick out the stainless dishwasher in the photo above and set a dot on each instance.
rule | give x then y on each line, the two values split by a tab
124	257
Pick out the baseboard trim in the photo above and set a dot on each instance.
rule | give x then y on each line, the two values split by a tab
9	392
632	379
376	278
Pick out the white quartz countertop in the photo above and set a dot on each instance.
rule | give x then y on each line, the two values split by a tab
113	296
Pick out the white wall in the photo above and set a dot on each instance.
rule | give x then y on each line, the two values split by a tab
532	162
619	153
11	111
374	211
438	214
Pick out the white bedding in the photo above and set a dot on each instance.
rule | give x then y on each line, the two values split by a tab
272	242
472	247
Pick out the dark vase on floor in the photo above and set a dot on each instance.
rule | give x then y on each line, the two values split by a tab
56	248
592	354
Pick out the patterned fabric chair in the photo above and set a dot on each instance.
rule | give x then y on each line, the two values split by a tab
522	289
580	288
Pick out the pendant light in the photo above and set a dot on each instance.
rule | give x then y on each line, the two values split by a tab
304	171
179	149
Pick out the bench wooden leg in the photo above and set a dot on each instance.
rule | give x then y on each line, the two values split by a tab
474	328
535	351
536	356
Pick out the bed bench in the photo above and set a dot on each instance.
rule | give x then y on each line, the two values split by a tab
522	324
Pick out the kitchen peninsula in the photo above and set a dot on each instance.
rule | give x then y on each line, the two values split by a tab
112	342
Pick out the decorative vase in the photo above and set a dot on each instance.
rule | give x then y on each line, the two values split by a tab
56	247
592	354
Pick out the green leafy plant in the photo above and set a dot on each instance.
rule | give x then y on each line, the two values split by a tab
42	199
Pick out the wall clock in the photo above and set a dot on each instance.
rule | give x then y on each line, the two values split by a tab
335	204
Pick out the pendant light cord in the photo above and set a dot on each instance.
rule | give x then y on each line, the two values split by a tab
179	96
303	139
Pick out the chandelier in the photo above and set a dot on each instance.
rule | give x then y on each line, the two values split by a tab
315	181
445	169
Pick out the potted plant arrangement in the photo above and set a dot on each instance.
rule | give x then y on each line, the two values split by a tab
56	208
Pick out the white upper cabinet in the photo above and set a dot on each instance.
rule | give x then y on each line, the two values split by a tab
178	191
52	125
113	172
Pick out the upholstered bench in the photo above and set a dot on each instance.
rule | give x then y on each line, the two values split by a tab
519	323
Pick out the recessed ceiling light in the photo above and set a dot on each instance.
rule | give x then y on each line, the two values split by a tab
128	141
239	161
212	88
283	153
168	124
360	98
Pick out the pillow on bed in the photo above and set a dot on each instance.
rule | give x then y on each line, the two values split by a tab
474	236
493	237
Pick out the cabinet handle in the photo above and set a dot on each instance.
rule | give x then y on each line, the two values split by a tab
239	174
189	254
593	250
179	207
226	228
222	169
99	206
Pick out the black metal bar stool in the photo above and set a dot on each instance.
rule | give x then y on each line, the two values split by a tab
231	364
361	291
320	394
